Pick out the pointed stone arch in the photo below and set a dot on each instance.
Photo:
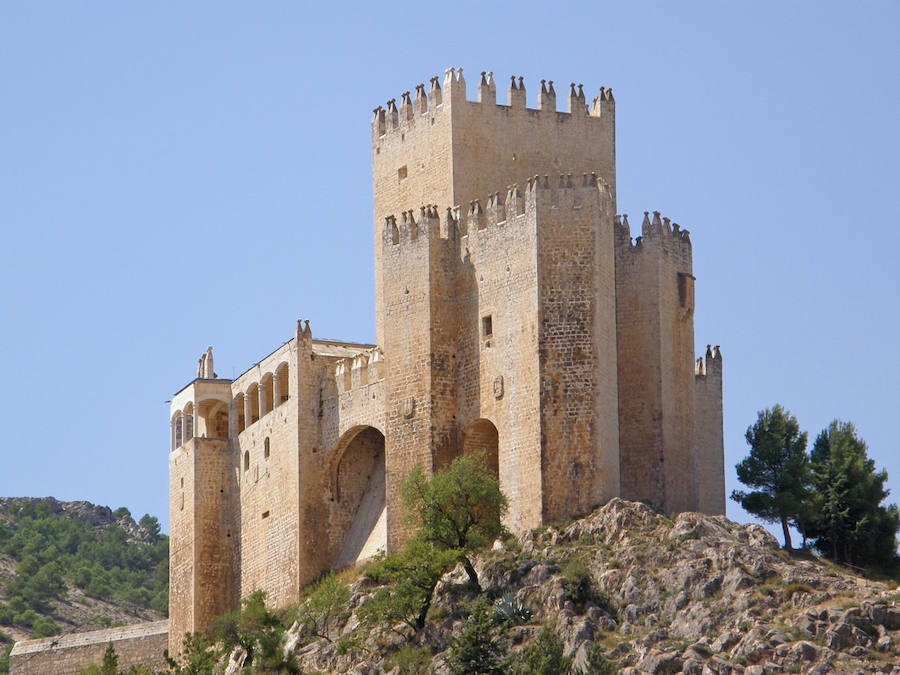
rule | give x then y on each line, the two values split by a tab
356	477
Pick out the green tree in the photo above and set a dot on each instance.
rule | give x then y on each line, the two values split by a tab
544	656
595	663
777	469
261	633
326	601
459	508
110	664
198	656
479	648
410	578
851	526
150	524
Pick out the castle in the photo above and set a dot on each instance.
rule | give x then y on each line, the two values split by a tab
516	317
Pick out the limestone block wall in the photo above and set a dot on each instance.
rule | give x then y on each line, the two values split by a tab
436	147
143	644
202	541
268	473
578	408
411	166
654	320
417	365
496	355
708	433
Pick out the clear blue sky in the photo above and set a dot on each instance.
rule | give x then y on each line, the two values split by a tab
177	175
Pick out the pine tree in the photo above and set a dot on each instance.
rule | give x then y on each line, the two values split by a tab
850	525
110	661
778	470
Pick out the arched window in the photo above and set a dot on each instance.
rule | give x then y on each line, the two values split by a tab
253	396
268	388
239	411
176	430
246	460
282	374
188	428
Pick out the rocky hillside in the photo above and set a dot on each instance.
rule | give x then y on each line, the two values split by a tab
692	594
73	566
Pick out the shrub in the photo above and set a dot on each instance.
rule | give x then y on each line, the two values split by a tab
596	663
797	588
44	627
326	601
544	656
578	586
479	647
410	661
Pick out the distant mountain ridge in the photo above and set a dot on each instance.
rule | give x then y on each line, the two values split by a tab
75	566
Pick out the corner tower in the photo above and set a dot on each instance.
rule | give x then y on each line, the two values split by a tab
435	147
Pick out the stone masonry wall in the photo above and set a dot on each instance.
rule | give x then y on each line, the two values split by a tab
436	147
708	433
497	372
654	319
267	470
407	277
577	338
142	644
201	544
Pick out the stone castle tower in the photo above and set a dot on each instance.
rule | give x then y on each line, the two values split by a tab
516	317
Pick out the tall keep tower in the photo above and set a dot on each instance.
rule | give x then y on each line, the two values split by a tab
435	147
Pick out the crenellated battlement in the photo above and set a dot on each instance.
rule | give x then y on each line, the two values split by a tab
711	364
497	209
656	229
354	372
392	116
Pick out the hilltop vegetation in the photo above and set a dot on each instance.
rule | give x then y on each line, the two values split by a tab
73	566
625	589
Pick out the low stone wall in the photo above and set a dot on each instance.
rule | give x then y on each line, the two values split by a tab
141	643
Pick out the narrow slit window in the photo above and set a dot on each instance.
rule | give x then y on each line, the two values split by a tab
266	449
247	460
401	172
487	326
265	514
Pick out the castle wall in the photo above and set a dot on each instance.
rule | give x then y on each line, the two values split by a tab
412	270
411	166
268	473
497	373
708	434
201	544
424	154
524	324
654	319
577	337
140	644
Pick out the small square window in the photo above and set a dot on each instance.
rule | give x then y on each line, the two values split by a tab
265	514
487	326
401	172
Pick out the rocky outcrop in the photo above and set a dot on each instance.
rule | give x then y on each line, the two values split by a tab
98	517
687	594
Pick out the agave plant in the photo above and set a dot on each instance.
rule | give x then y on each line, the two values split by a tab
507	608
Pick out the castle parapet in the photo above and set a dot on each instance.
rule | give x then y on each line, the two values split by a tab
657	229
354	372
393	116
498	208
710	365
